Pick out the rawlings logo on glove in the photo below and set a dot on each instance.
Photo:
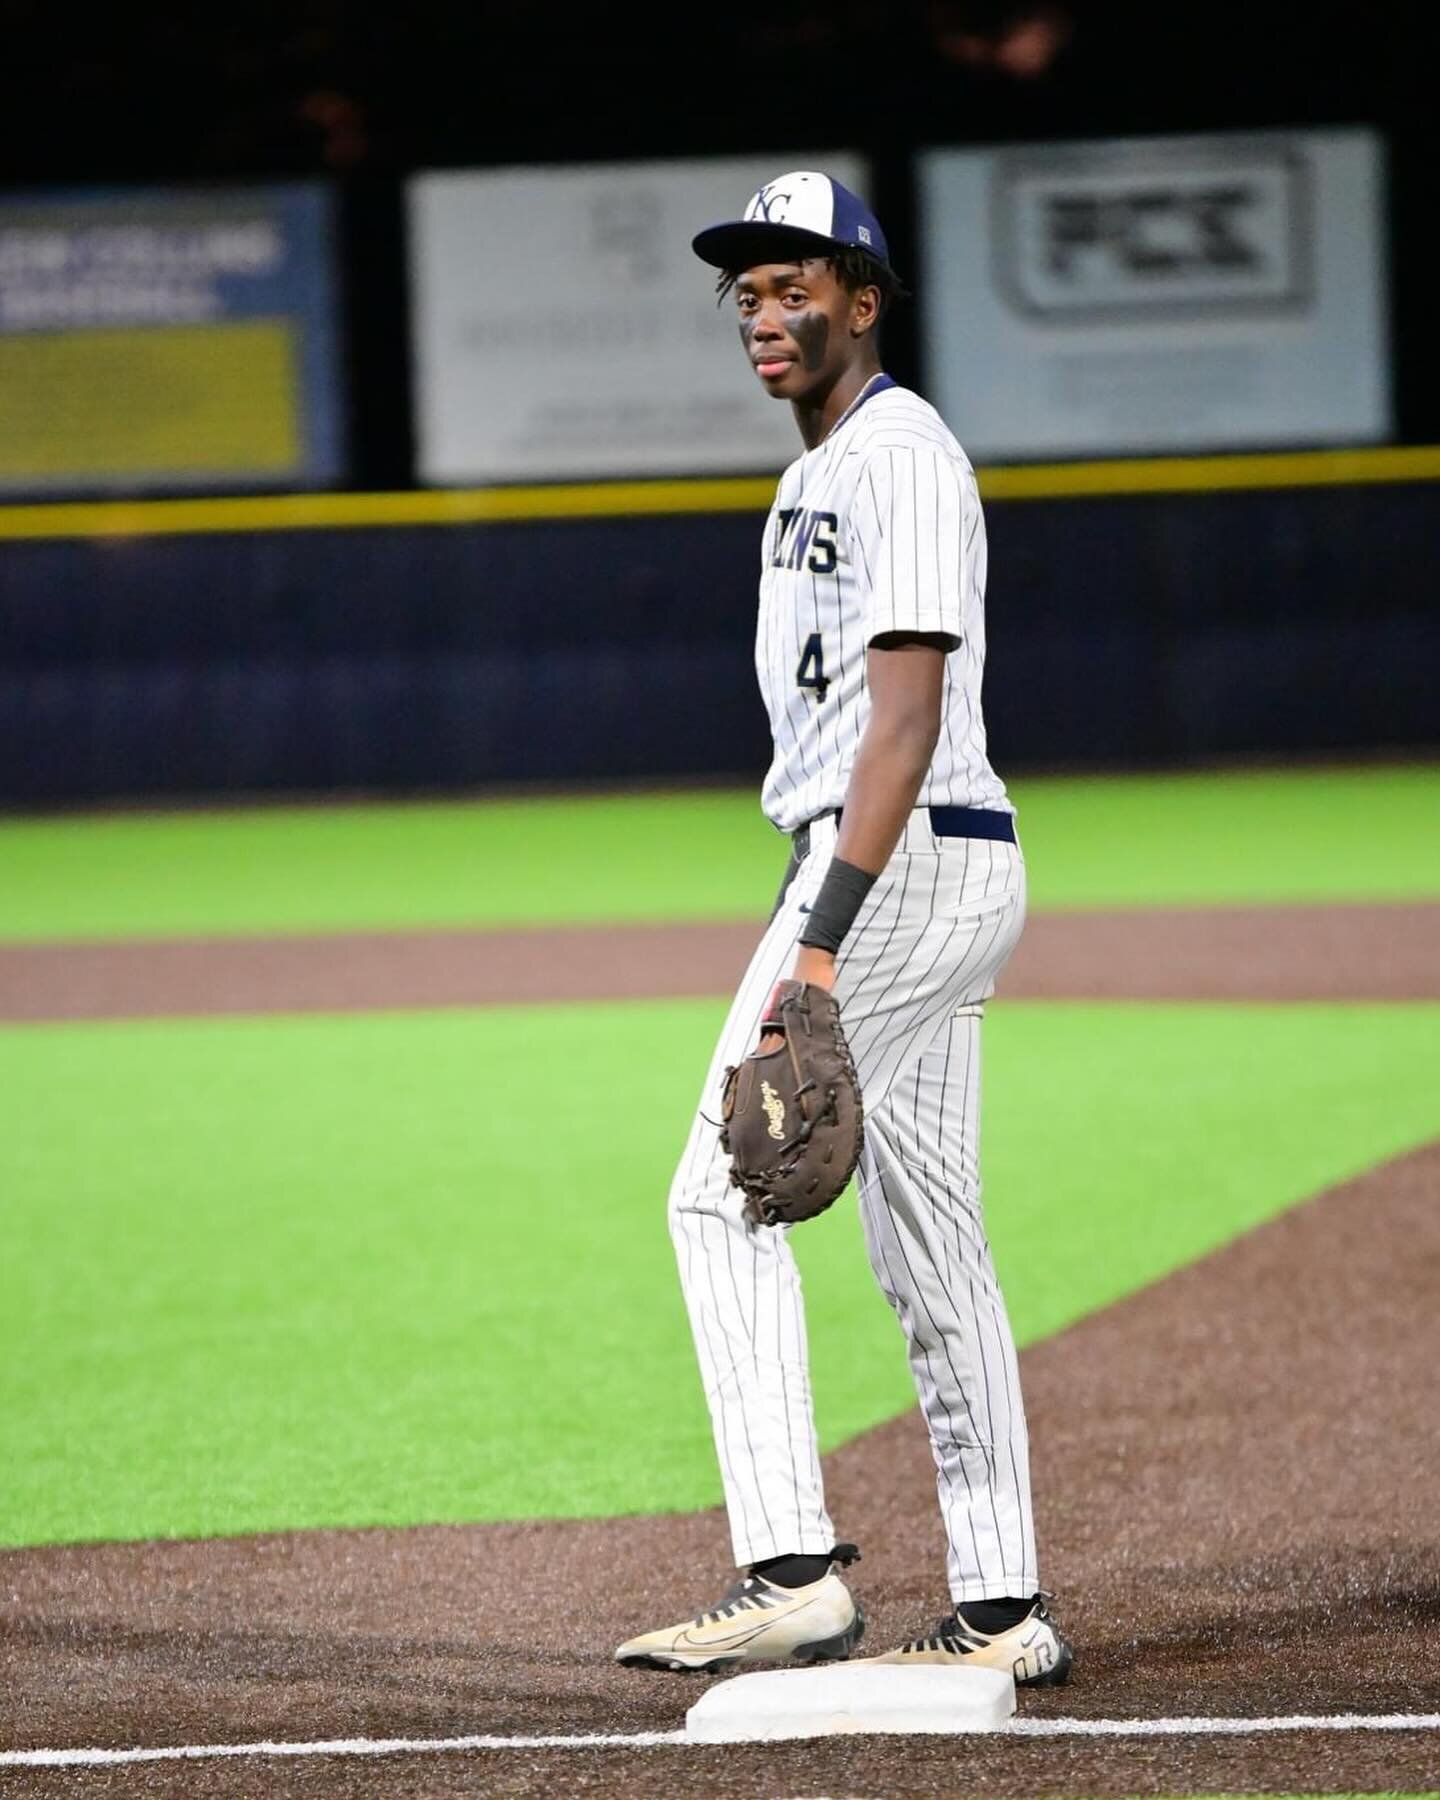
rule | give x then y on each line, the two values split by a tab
774	1110
792	1116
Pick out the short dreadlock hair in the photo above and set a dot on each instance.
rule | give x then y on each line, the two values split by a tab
852	268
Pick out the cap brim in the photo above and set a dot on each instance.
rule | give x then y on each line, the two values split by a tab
745	243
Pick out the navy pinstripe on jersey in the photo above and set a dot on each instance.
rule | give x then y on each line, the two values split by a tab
877	529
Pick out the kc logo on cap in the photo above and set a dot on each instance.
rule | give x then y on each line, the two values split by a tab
802	213
803	199
768	204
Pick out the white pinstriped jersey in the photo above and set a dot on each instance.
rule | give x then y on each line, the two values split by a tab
877	529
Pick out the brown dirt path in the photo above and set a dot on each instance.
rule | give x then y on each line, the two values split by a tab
1236	1484
1238	953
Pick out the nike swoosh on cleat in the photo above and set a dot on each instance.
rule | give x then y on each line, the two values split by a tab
736	1641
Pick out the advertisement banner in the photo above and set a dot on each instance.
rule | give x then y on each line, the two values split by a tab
564	329
1158	294
167	339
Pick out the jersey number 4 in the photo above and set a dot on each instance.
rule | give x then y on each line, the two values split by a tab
811	670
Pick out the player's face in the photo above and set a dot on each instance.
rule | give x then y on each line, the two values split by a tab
800	327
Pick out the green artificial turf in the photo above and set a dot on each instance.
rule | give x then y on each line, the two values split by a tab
1115	841
292	1272
1248	837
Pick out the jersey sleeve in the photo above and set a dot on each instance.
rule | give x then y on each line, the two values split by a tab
912	529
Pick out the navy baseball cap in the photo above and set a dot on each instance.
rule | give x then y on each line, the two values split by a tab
803	213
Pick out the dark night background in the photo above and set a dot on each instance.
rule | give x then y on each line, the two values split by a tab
1137	630
366	93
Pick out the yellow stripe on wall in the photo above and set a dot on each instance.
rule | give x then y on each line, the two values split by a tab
638	499
312	512
1211	474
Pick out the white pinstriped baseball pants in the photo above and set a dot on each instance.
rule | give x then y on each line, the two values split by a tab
911	978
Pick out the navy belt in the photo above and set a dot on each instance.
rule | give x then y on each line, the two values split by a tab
945	821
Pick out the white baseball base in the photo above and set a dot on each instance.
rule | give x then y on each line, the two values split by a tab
848	1698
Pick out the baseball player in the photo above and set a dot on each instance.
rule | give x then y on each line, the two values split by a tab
904	897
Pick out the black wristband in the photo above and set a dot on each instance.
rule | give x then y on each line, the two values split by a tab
842	893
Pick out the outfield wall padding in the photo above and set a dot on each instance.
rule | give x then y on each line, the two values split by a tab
1147	629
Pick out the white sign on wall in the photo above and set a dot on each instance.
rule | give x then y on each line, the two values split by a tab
1157	294
564	327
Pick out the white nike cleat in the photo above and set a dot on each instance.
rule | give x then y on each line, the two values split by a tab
1034	1651
757	1622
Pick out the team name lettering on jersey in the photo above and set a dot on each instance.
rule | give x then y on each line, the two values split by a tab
806	539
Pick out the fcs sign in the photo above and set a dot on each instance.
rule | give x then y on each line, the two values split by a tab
1092	234
1157	294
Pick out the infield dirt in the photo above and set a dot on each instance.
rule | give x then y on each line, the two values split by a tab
1377	952
1237	1503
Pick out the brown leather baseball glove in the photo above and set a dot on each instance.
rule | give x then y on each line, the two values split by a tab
791	1115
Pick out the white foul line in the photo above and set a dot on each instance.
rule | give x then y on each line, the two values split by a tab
646	1740
53	1759
1203	1727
